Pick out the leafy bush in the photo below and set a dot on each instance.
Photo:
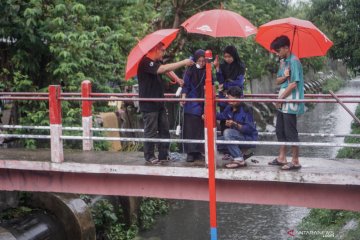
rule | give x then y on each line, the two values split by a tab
332	84
149	209
109	222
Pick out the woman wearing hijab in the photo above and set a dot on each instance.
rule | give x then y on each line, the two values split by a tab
230	73
193	128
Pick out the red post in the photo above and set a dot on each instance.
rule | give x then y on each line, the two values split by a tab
57	153
86	115
210	136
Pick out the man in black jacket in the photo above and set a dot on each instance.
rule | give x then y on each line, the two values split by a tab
151	85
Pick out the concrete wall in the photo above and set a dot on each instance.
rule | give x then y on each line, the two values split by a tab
266	84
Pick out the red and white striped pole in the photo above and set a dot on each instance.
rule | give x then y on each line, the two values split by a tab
210	139
86	115
57	153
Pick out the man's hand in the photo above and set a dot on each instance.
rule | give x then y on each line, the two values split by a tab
287	72
188	62
229	123
180	82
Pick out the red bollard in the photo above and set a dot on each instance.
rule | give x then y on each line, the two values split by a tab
57	153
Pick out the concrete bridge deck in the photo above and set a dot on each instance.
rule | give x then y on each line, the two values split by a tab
323	183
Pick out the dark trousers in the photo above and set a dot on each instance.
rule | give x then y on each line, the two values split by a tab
156	125
286	130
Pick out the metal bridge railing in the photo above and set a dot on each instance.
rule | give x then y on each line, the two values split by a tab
55	96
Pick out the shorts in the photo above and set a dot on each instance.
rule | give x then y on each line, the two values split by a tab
286	130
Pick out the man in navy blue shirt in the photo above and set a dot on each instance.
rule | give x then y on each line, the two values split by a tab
241	127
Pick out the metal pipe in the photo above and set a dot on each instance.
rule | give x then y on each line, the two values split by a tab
260	143
304	144
135	130
305	95
24	98
346	108
271	95
216	100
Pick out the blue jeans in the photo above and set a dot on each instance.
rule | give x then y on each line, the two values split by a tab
232	134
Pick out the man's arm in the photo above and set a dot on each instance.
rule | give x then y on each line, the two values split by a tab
288	90
173	66
282	79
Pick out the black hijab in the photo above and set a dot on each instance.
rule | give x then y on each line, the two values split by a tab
233	70
197	76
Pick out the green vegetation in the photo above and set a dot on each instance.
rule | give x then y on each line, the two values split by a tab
149	209
331	221
110	223
339	19
332	84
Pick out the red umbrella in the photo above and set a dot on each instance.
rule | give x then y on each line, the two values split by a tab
219	23
166	36
306	39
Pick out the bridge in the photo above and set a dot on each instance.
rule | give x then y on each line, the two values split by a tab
320	183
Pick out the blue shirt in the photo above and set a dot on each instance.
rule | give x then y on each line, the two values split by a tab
296	75
243	117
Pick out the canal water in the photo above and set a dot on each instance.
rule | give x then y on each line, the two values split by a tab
189	220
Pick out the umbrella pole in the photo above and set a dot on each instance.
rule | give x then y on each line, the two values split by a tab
210	148
293	39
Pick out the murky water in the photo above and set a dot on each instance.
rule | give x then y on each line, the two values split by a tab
189	220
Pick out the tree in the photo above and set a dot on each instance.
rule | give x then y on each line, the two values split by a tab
340	20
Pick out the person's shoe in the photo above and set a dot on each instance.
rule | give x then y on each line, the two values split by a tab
152	161
190	158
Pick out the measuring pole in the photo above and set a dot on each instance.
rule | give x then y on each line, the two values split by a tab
210	135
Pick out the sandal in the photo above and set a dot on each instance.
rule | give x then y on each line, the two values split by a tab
291	166
153	161
275	162
246	156
235	164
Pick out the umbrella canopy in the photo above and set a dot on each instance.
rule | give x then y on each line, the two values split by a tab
166	36
219	23
305	38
